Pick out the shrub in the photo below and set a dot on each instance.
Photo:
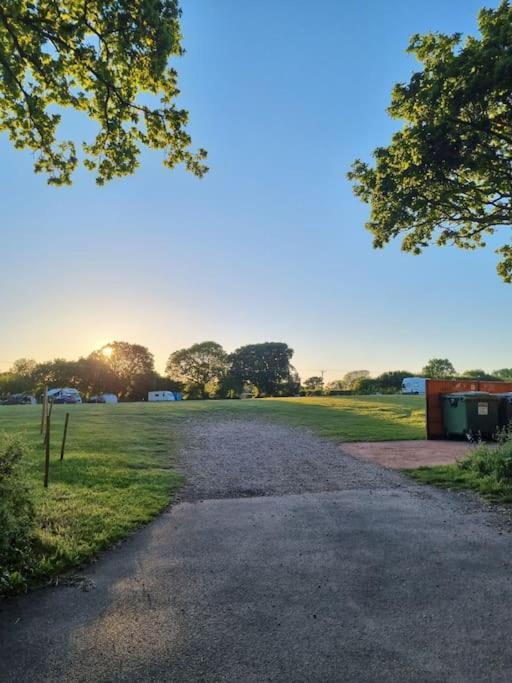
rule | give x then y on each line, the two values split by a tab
492	461
16	515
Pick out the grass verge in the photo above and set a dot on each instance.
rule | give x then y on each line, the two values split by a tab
118	473
487	469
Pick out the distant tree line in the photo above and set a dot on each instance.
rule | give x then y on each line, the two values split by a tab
206	370
390	382
125	369
442	368
357	382
203	370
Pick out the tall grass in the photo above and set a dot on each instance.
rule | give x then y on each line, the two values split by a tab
17	514
491	460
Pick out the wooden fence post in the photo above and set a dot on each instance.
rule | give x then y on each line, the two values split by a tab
47	458
49	407
44	408
64	437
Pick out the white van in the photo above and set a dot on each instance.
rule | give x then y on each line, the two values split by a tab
414	385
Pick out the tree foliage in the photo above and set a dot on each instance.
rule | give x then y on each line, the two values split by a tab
335	385
439	368
446	176
107	59
503	373
24	367
202	370
350	378
94	376
11	383
198	365
132	365
266	365
290	386
57	373
119	367
365	385
314	383
392	379
478	373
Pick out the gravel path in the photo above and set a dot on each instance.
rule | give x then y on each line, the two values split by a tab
245	458
286	560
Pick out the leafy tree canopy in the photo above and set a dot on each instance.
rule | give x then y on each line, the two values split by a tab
350	378
107	59
23	367
315	382
265	365
439	368
132	365
54	373
392	379
125	359
11	383
446	177
365	385
336	385
121	368
198	365
503	373
93	376
289	386
479	374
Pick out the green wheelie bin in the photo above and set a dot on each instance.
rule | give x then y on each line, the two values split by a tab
505	410
471	413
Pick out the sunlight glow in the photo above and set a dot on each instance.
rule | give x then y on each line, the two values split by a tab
107	351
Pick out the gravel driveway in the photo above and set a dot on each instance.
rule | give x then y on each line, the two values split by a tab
285	560
241	458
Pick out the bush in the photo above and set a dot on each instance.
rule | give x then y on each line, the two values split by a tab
492	461
16	516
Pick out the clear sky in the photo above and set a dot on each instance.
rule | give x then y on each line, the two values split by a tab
271	244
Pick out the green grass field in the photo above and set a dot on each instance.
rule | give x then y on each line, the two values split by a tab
120	465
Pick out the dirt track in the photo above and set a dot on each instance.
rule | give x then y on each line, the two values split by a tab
403	455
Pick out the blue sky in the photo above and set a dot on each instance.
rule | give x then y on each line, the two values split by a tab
271	244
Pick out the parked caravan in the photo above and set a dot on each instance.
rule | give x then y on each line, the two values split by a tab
161	396
103	398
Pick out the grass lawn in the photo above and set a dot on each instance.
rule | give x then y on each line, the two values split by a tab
117	474
345	418
119	469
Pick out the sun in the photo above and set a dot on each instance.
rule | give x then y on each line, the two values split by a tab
107	351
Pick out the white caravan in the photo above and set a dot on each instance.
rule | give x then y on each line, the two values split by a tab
161	396
104	398
414	385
